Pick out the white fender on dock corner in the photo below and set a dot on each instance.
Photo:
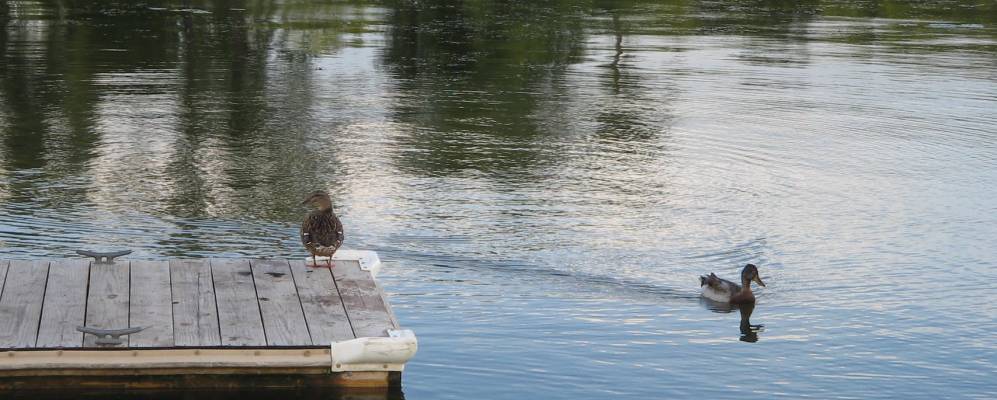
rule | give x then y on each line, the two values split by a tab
375	353
369	261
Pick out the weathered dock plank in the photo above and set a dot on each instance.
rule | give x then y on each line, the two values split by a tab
65	304
238	309
283	319
324	312
3	273
365	306
151	304
195	314
21	303
107	302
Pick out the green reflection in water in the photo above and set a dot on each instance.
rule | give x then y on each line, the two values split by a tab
231	110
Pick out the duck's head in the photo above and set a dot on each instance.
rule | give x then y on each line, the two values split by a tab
319	199
750	273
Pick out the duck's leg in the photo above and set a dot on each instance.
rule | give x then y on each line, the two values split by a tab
315	264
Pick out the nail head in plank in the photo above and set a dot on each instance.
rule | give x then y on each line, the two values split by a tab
21	303
363	300
65	304
107	302
238	309
322	305
280	307
151	306
195	315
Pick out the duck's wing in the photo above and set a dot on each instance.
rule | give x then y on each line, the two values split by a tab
307	228
717	283
322	229
337	233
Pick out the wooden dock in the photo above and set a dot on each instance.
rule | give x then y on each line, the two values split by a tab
204	323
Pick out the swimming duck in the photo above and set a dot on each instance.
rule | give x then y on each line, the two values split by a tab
722	290
322	232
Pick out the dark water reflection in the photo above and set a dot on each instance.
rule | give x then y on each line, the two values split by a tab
545	180
749	332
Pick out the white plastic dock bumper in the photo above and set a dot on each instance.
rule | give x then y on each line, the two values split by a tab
369	261
375	353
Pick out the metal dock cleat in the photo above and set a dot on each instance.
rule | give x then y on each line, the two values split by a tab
109	337
107	257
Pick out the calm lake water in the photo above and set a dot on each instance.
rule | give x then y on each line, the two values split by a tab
545	180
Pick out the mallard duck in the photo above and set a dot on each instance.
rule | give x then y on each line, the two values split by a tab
322	232
722	290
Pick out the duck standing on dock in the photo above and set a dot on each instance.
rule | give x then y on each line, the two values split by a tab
722	290
322	232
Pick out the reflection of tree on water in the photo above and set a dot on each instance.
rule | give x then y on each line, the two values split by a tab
473	77
24	129
629	111
749	332
220	103
756	17
47	126
247	127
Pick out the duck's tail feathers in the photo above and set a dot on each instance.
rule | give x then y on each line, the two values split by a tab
711	280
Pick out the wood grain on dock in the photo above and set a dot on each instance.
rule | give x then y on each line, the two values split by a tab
200	303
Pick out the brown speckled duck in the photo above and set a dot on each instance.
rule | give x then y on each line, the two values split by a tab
322	232
722	290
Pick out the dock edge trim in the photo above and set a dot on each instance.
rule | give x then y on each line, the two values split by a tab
162	358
